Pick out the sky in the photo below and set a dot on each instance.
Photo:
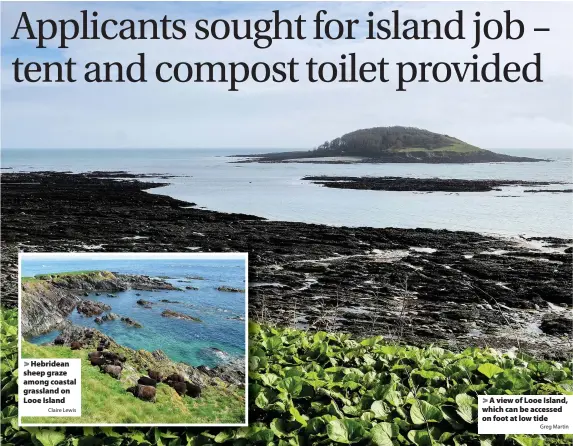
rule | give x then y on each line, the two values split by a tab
286	115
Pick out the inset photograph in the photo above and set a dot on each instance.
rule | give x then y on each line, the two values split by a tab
161	338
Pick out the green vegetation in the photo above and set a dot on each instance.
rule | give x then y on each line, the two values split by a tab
378	141
62	276
327	389
458	147
105	400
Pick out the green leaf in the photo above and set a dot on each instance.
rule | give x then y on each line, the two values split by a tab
466	407
49	437
224	436
345	431
383	433
420	438
297	416
379	409
293	385
489	370
527	440
423	412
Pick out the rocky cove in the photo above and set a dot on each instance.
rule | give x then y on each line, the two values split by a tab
48	299
132	309
422	286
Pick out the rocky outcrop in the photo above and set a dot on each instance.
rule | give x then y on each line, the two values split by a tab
230	289
560	325
177	315
92	308
48	299
44	307
454	288
404	184
132	323
159	367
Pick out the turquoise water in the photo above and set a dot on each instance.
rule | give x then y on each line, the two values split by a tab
181	340
275	191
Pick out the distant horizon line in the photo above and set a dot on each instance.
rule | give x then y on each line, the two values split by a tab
239	148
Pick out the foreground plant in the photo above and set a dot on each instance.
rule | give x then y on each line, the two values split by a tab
325	389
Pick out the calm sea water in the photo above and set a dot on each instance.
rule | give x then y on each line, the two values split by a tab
275	191
181	340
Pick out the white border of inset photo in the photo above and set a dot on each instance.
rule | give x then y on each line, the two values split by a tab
142	255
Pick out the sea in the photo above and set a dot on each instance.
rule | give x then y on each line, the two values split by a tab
212	180
220	336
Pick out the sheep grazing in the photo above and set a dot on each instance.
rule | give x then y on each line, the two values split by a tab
92	355
75	345
97	361
193	390
110	356
112	370
175	377
157	376
145	393
179	387
59	341
100	349
147	381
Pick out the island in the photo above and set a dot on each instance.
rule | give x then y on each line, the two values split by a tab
394	144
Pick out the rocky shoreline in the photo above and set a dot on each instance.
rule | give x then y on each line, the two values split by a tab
404	184
420	286
76	337
421	156
48	299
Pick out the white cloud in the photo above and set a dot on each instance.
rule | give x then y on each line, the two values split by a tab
290	115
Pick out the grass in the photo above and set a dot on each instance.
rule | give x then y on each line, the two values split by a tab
63	275
106	401
458	147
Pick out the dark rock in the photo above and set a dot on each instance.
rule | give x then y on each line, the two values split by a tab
558	325
367	274
417	184
144	303
131	322
159	355
92	308
110	317
229	289
177	315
